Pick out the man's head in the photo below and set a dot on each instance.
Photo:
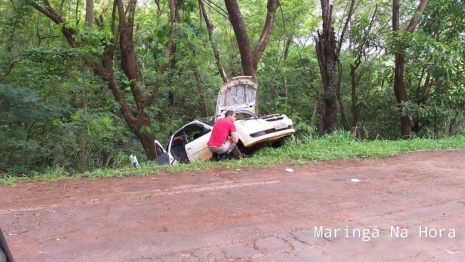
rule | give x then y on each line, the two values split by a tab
230	115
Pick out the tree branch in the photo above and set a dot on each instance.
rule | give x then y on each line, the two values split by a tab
416	17
268	27
243	42
216	52
346	25
168	51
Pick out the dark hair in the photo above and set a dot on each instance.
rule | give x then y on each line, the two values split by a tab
228	113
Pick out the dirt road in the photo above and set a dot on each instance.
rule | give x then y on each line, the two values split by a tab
405	208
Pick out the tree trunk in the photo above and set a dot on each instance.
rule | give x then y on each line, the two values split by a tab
235	17
122	26
326	53
399	86
89	12
203	99
353	83
146	138
249	58
401	93
357	108
327	49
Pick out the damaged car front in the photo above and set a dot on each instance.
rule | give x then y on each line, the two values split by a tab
239	94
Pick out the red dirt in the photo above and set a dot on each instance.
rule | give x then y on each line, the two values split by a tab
249	214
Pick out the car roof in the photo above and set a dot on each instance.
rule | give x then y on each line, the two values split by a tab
237	94
191	125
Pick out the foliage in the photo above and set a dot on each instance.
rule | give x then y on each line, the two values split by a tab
57	117
298	150
40	135
25	125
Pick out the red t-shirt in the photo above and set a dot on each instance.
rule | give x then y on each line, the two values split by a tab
221	130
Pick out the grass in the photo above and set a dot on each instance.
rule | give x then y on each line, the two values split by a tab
298	151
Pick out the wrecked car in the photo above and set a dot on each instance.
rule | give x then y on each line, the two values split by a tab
189	143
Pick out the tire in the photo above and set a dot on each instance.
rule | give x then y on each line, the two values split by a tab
279	143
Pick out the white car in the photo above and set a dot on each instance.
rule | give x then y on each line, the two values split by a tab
189	143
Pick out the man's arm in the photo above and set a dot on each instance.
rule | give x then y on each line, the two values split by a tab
234	137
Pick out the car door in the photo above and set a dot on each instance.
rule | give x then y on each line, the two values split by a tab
198	149
163	157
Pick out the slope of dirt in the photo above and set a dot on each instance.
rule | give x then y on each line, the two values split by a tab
405	208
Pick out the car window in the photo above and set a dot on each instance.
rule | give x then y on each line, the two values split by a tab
243	115
209	120
158	150
193	131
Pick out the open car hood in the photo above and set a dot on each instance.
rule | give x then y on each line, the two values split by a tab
238	94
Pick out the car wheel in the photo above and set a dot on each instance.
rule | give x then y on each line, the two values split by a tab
278	143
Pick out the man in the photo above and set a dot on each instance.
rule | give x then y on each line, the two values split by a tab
224	137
